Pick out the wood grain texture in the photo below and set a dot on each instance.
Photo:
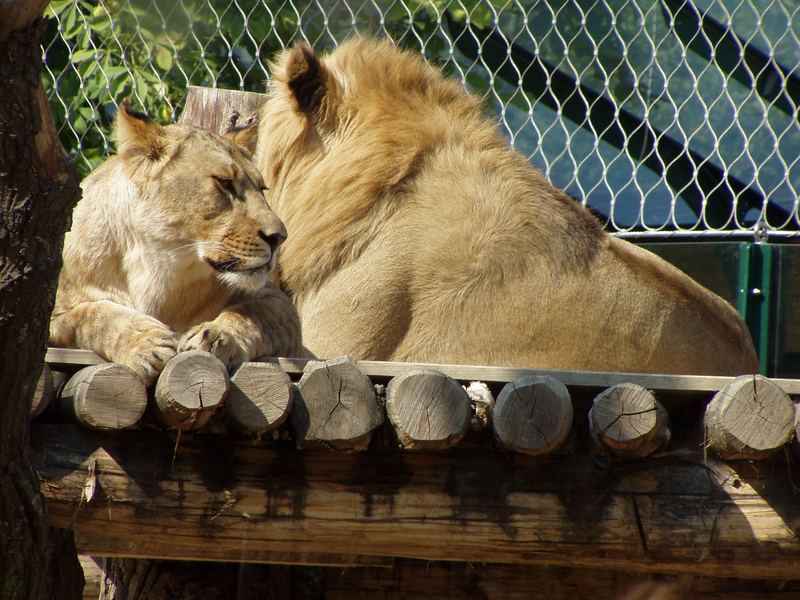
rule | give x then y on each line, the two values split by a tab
627	421
104	397
260	397
216	499
750	418
212	108
44	392
426	580
190	389
533	415
335	405
427	409
18	14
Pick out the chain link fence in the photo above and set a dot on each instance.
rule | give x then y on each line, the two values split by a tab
668	118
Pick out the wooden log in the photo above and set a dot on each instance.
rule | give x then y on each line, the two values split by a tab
220	110
92	576
533	415
190	389
750	418
335	405
260	397
427	409
627	421
797	426
44	392
104	397
220	499
422	580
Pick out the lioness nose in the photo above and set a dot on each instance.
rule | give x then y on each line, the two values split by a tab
274	240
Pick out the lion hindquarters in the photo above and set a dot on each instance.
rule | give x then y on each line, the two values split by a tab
697	332
625	311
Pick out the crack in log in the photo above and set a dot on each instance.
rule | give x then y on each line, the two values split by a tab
640	527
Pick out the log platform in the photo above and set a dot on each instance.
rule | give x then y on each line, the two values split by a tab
336	484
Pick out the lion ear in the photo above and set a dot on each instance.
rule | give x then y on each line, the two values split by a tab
306	78
138	138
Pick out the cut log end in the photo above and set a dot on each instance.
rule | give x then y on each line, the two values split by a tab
260	398
190	389
220	110
107	396
749	419
533	415
335	406
427	409
627	421
44	392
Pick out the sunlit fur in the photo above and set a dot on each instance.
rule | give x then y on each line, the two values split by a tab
418	234
172	234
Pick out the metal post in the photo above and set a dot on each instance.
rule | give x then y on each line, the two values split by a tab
755	293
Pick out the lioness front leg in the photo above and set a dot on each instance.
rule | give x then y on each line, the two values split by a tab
117	333
265	326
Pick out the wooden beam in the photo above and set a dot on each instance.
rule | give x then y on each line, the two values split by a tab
426	580
217	499
61	358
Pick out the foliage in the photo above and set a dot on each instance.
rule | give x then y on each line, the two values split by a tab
146	51
150	51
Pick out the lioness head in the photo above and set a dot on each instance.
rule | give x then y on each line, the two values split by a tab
200	195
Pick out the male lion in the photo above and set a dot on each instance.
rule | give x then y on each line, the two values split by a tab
171	248
418	235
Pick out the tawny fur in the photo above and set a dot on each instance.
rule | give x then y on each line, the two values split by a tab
171	248
418	235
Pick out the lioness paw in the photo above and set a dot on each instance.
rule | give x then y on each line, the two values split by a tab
148	351
212	338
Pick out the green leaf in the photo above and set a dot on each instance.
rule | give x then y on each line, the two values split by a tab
164	57
100	24
142	89
82	55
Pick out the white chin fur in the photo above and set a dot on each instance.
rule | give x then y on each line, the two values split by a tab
249	282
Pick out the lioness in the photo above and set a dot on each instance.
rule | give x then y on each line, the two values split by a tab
171	248
418	235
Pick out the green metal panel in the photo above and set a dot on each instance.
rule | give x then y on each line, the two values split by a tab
755	296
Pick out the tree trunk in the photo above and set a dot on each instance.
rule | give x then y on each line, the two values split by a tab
38	188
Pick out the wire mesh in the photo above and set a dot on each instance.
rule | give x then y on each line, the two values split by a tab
666	117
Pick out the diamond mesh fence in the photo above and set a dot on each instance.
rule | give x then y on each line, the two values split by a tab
666	117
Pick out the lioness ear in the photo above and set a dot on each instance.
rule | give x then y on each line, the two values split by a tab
137	136
300	69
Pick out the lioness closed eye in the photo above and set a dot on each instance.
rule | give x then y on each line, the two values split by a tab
171	249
